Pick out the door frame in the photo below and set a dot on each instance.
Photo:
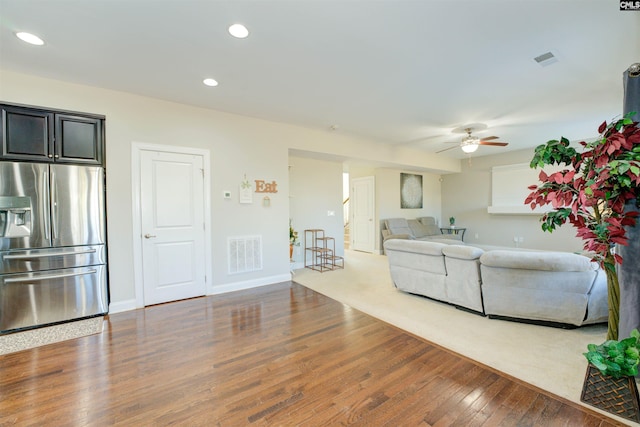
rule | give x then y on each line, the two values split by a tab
136	149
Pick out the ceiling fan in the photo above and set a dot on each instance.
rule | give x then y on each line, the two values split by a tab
469	143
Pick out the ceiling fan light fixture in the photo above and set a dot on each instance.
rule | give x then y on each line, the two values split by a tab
470	140
469	147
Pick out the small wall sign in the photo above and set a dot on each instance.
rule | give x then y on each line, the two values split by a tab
246	195
266	187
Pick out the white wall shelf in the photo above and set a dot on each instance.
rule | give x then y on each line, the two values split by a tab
516	210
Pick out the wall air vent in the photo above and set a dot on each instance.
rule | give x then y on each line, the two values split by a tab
244	254
546	59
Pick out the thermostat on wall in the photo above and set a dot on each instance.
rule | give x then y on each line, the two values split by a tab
227	194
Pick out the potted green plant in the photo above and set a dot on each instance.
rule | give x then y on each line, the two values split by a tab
590	193
610	384
452	221
616	358
293	239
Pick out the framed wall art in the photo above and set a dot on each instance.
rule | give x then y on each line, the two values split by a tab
410	191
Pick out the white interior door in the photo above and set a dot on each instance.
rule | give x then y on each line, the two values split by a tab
172	226
363	208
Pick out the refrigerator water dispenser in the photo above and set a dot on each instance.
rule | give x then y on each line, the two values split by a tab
15	216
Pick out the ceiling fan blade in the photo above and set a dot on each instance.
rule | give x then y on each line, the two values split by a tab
447	149
497	144
488	138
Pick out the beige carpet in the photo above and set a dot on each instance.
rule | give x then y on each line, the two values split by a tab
549	358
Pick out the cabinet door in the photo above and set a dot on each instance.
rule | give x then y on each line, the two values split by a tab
78	139
27	134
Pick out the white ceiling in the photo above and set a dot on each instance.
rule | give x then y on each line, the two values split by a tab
396	71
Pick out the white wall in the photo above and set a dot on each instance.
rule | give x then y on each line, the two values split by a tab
388	198
260	149
388	195
238	145
237	148
467	195
316	189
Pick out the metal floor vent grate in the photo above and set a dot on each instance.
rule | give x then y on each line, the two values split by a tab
244	254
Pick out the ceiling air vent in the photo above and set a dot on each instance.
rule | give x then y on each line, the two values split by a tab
546	59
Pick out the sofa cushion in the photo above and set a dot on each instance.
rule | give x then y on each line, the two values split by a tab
398	226
444	239
417	228
430	225
545	261
415	246
462	252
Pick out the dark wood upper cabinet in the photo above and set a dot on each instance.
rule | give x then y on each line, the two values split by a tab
78	139
27	134
40	135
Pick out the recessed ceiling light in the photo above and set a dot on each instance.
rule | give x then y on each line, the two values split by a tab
30	38
239	31
210	82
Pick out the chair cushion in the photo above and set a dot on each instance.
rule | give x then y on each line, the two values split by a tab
398	226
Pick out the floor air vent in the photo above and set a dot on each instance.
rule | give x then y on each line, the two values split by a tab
244	254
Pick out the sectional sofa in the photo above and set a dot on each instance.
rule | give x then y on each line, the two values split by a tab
553	288
423	228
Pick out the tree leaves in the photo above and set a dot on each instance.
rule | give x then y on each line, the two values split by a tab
592	190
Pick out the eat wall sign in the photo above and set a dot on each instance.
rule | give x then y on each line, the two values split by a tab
266	187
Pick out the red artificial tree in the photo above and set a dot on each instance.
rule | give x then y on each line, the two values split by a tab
591	193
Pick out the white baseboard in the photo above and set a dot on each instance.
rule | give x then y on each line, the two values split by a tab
248	284
120	306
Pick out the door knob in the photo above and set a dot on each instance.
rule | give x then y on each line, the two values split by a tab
148	236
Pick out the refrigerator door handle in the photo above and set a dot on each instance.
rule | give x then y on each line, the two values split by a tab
47	255
54	205
46	215
47	277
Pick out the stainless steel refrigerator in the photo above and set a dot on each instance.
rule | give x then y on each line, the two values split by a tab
52	244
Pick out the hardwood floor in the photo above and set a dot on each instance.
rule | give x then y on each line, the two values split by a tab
278	355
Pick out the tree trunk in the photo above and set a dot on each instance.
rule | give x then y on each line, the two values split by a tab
613	297
629	271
